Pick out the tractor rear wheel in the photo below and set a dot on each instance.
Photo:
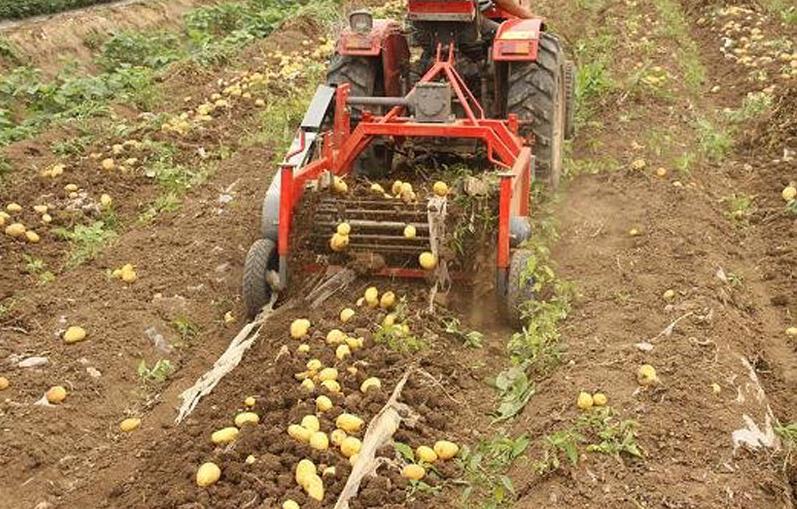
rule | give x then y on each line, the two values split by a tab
364	76
519	287
570	104
537	95
261	258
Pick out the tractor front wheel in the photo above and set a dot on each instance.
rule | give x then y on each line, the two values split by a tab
260	260
537	94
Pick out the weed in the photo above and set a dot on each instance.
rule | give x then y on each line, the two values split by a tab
576	167
158	373
168	202
674	26
87	241
398	338
485	468
73	146
185	328
787	433
683	163
783	8
740	206
470	338
616	438
143	49
791	207
37	267
754	105
557	443
515	390
714	141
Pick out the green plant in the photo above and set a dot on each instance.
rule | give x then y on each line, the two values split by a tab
185	328
158	373
398	338
470	338
754	105
515	389
87	241
674	26
714	141
139	49
485	470
740	206
557	443
37	267
168	202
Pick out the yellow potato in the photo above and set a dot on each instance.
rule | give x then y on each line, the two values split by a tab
789	193
304	469
426	454
354	343
377	189
328	374
646	375
246	418
389	320
599	399
250	460
56	394
331	385
338	242
427	260
207	474
315	488
299	328
311	422
396	187
349	423
14	207
46	219
70	188
40	209
15	230
440	188
343	229
288	504
372	297
388	300
337	437
32	237
445	450
323	403
299	433
224	435
319	441
74	334
413	472
346	315
410	232
308	385
342	351
336	337
370	383
250	401
303	348
584	401
350	446
4	383
108	164
130	424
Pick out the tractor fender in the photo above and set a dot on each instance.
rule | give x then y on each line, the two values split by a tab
385	42
270	212
517	40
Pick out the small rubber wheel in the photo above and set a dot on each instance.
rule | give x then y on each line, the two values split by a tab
520	287
260	259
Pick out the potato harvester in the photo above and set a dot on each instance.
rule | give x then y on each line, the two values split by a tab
464	77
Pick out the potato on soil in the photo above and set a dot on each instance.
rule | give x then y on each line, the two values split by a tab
290	504
388	300
244	418
331	385
32	237
336	337
342	351
207	474
410	232
791	331
299	328
350	446
311	422
108	164
15	230
370	383
74	334
106	200
584	401
328	374
56	394
349	423
445	450
319	441
299	433
337	437
646	375
426	454
372	296
599	399
130	424
14	208
250	401
224	435
789	193
323	403
427	260
4	383
315	488
304	470
413	472
440	188
250	460
346	315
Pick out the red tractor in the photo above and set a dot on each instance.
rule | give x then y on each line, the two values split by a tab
464	77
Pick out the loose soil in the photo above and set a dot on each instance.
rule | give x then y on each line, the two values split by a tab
734	284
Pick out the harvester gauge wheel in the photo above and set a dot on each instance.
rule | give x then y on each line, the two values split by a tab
520	287
537	94
260	260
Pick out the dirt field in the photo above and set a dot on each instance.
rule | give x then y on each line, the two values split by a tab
670	245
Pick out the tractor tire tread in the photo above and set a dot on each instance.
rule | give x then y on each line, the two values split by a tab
256	290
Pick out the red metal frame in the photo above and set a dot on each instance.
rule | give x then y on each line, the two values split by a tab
341	146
